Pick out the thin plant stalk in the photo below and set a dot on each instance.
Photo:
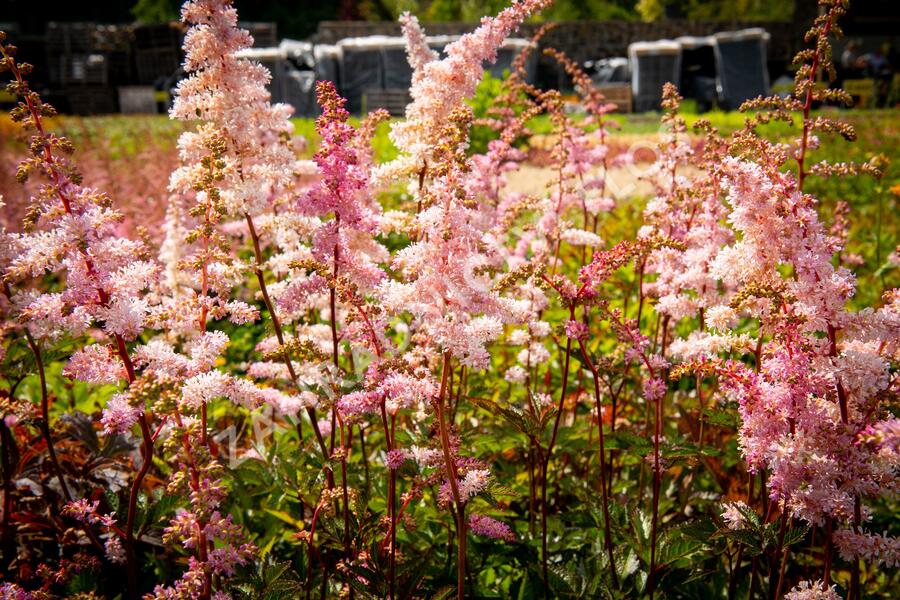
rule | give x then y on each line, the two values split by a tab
60	181
392	505
454	486
45	415
202	545
279	334
45	431
607	533
784	560
545	463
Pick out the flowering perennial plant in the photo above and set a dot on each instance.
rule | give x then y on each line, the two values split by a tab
367	379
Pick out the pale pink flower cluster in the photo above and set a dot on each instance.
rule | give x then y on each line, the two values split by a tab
766	207
654	388
229	95
95	364
730	238
396	458
236	165
490	527
687	208
578	154
418	52
822	383
394	391
821	390
445	83
104	274
119	415
11	591
239	161
733	515
814	410
86	512
343	244
815	590
473	482
443	285
879	549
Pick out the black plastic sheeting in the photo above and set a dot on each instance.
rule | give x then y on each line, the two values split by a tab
652	65
741	66
698	70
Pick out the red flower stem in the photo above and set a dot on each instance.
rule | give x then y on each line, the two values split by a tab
807	107
657	470
454	486
607	532
45	432
58	182
545	458
202	544
391	538
279	334
45	415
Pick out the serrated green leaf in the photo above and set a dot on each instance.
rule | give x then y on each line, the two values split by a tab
721	418
795	534
444	593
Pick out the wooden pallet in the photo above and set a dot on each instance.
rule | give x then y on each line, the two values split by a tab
92	99
162	35
154	63
137	99
618	94
265	35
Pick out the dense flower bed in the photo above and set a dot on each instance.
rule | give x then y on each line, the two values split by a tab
403	379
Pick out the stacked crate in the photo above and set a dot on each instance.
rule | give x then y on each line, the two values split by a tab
265	35
157	51
115	42
71	56
86	61
652	65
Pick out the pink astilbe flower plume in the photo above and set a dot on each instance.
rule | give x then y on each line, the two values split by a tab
445	287
820	389
344	256
235	165
490	527
343	242
418	52
236	162
345	361
229	96
444	84
815	590
239	165
70	230
689	209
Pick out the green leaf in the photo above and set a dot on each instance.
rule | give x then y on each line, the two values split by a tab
444	593
513	417
161	507
749	539
627	566
795	534
628	442
671	551
701	529
280	514
722	418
